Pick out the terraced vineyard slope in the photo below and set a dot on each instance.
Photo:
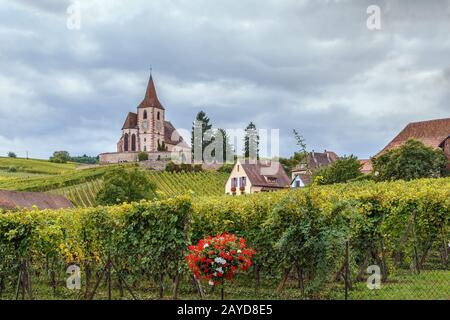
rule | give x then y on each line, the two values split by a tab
167	185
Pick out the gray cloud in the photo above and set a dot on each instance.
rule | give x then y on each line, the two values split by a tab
309	65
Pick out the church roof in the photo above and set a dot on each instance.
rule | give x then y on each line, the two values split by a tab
130	121
169	130
431	133
151	99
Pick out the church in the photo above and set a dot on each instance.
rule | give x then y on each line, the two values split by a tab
147	130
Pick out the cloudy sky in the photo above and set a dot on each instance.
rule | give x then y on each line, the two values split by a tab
309	65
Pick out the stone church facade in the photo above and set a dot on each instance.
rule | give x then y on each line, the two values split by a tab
148	131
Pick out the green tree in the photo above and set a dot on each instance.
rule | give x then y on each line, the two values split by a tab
12	155
142	156
340	171
199	138
125	184
60	157
251	141
412	160
226	145
85	159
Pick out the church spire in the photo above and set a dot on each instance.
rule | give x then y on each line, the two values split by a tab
151	98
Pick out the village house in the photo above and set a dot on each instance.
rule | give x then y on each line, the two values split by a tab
302	174
366	166
432	133
11	200
247	177
148	131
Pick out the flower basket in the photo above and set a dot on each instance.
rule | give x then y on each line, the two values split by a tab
242	188
216	259
233	189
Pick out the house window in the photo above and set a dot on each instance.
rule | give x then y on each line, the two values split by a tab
125	142
145	114
297	184
133	142
272	179
242	182
157	116
234	182
237	168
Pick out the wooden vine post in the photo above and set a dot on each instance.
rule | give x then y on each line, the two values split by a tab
24	281
106	271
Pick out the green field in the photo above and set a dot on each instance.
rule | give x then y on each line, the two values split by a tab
34	166
80	186
167	185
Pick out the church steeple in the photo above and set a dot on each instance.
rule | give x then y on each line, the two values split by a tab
151	98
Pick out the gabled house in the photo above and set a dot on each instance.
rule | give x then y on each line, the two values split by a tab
257	176
432	133
366	166
298	182
302	174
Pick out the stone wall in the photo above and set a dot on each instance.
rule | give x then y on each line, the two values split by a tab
155	158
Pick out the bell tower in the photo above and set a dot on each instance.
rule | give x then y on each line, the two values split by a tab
150	119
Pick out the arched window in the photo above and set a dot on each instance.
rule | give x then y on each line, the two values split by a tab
125	142
145	114
133	142
157	116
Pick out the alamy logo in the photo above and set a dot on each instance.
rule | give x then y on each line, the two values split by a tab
374	280
74	18
374	20
74	280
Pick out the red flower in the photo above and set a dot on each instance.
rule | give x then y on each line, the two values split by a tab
206	265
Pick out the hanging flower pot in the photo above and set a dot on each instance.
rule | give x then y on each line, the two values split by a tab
217	259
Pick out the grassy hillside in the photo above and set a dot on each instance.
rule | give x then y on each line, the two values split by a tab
167	184
81	186
33	166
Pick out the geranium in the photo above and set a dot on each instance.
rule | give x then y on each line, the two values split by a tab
215	259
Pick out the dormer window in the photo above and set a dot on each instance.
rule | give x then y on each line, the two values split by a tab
271	179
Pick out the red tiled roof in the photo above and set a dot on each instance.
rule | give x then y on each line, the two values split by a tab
151	99
366	166
13	199
255	173
432	133
130	121
316	160
169	130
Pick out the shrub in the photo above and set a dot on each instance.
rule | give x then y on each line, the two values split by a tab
412	160
340	171
142	156
60	157
226	168
125	184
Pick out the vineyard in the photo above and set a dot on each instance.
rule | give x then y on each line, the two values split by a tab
53	181
167	185
33	166
310	244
